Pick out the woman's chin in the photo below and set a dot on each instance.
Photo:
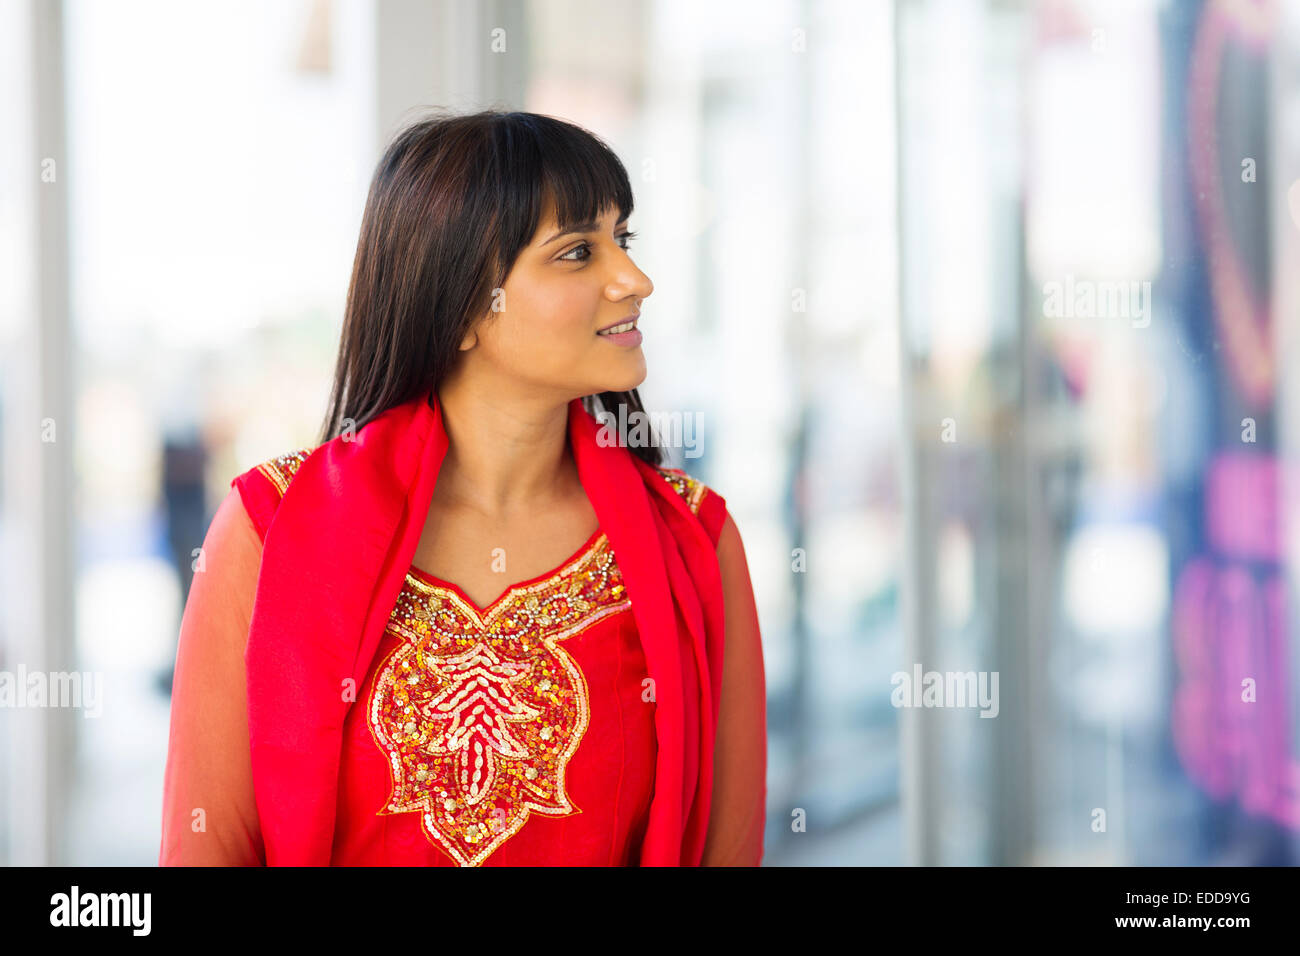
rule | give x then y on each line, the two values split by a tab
625	382
629	384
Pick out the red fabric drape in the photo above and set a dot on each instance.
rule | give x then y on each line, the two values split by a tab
334	558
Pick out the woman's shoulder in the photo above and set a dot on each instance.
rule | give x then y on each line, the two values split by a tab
279	471
262	486
703	501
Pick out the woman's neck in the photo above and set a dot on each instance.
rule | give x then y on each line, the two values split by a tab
507	454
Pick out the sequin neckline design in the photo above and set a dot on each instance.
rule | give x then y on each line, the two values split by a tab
479	710
419	576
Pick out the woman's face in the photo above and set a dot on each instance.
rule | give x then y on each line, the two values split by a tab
544	330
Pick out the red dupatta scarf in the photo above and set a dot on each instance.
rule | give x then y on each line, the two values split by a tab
333	562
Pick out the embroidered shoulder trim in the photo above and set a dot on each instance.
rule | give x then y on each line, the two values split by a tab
281	469
691	489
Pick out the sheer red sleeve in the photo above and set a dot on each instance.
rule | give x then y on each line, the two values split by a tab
209	811
739	805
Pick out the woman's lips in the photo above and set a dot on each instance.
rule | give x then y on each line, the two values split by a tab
630	336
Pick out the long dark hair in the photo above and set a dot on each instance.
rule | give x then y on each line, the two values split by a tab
453	201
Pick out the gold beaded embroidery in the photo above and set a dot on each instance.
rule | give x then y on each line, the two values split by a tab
691	489
280	470
478	713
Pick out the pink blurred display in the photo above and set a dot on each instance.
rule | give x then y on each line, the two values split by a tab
1229	631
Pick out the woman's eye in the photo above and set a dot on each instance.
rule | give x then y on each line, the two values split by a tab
585	248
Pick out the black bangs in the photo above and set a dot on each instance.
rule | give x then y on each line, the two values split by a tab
540	159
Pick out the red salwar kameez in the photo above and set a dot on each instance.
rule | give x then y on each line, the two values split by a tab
530	732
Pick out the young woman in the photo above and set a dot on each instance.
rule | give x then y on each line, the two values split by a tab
355	682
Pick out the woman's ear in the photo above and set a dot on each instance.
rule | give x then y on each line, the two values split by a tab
469	341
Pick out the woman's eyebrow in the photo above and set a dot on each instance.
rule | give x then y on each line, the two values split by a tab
579	228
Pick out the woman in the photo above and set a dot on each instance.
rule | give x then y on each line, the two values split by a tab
607	709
